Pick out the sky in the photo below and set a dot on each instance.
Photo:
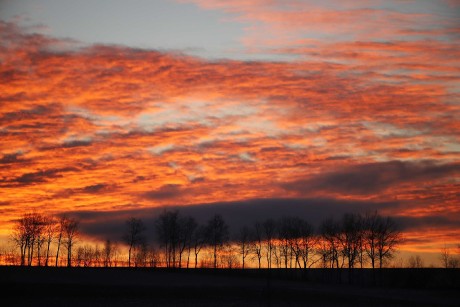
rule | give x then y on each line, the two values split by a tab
253	109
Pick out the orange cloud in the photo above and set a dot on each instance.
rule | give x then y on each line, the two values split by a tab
104	127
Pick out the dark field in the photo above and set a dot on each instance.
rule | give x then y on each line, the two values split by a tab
38	286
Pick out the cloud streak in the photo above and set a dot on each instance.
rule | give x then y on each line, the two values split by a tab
372	178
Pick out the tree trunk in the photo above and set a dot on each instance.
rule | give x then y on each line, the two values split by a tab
23	254
69	257
129	256
31	253
39	259
215	256
47	252
188	258
58	247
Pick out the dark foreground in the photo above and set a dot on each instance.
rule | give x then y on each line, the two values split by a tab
38	286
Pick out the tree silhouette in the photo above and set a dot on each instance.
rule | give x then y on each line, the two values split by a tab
287	242
216	234
372	223
50	232
350	237
168	232
186	226
60	231
244	241
388	238
415	262
141	254
86	256
134	235
269	231
108	250
304	242
189	226
198	241
286	235
448	260
258	242
28	232
330	232
70	233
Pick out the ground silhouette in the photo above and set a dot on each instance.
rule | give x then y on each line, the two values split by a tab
40	286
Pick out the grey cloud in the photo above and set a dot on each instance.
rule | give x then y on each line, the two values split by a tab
41	176
111	224
165	192
436	221
90	189
95	188
77	143
236	214
363	179
11	158
39	110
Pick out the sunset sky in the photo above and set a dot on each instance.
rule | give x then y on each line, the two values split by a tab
252	109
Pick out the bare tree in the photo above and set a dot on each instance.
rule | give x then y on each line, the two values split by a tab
115	255
286	235
415	262
28	233
198	241
244	242
277	254
41	238
50	232
190	227
21	237
330	232
228	258
35	230
152	257
388	238
258	242
448	260
134	235
216	234
98	255
107	252
381	236
141	255
304	243
60	233
350	237
283	236
269	230
9	255
372	223
186	227
168	232
85	256
70	233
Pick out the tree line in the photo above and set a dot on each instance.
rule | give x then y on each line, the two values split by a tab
353	240
34	233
